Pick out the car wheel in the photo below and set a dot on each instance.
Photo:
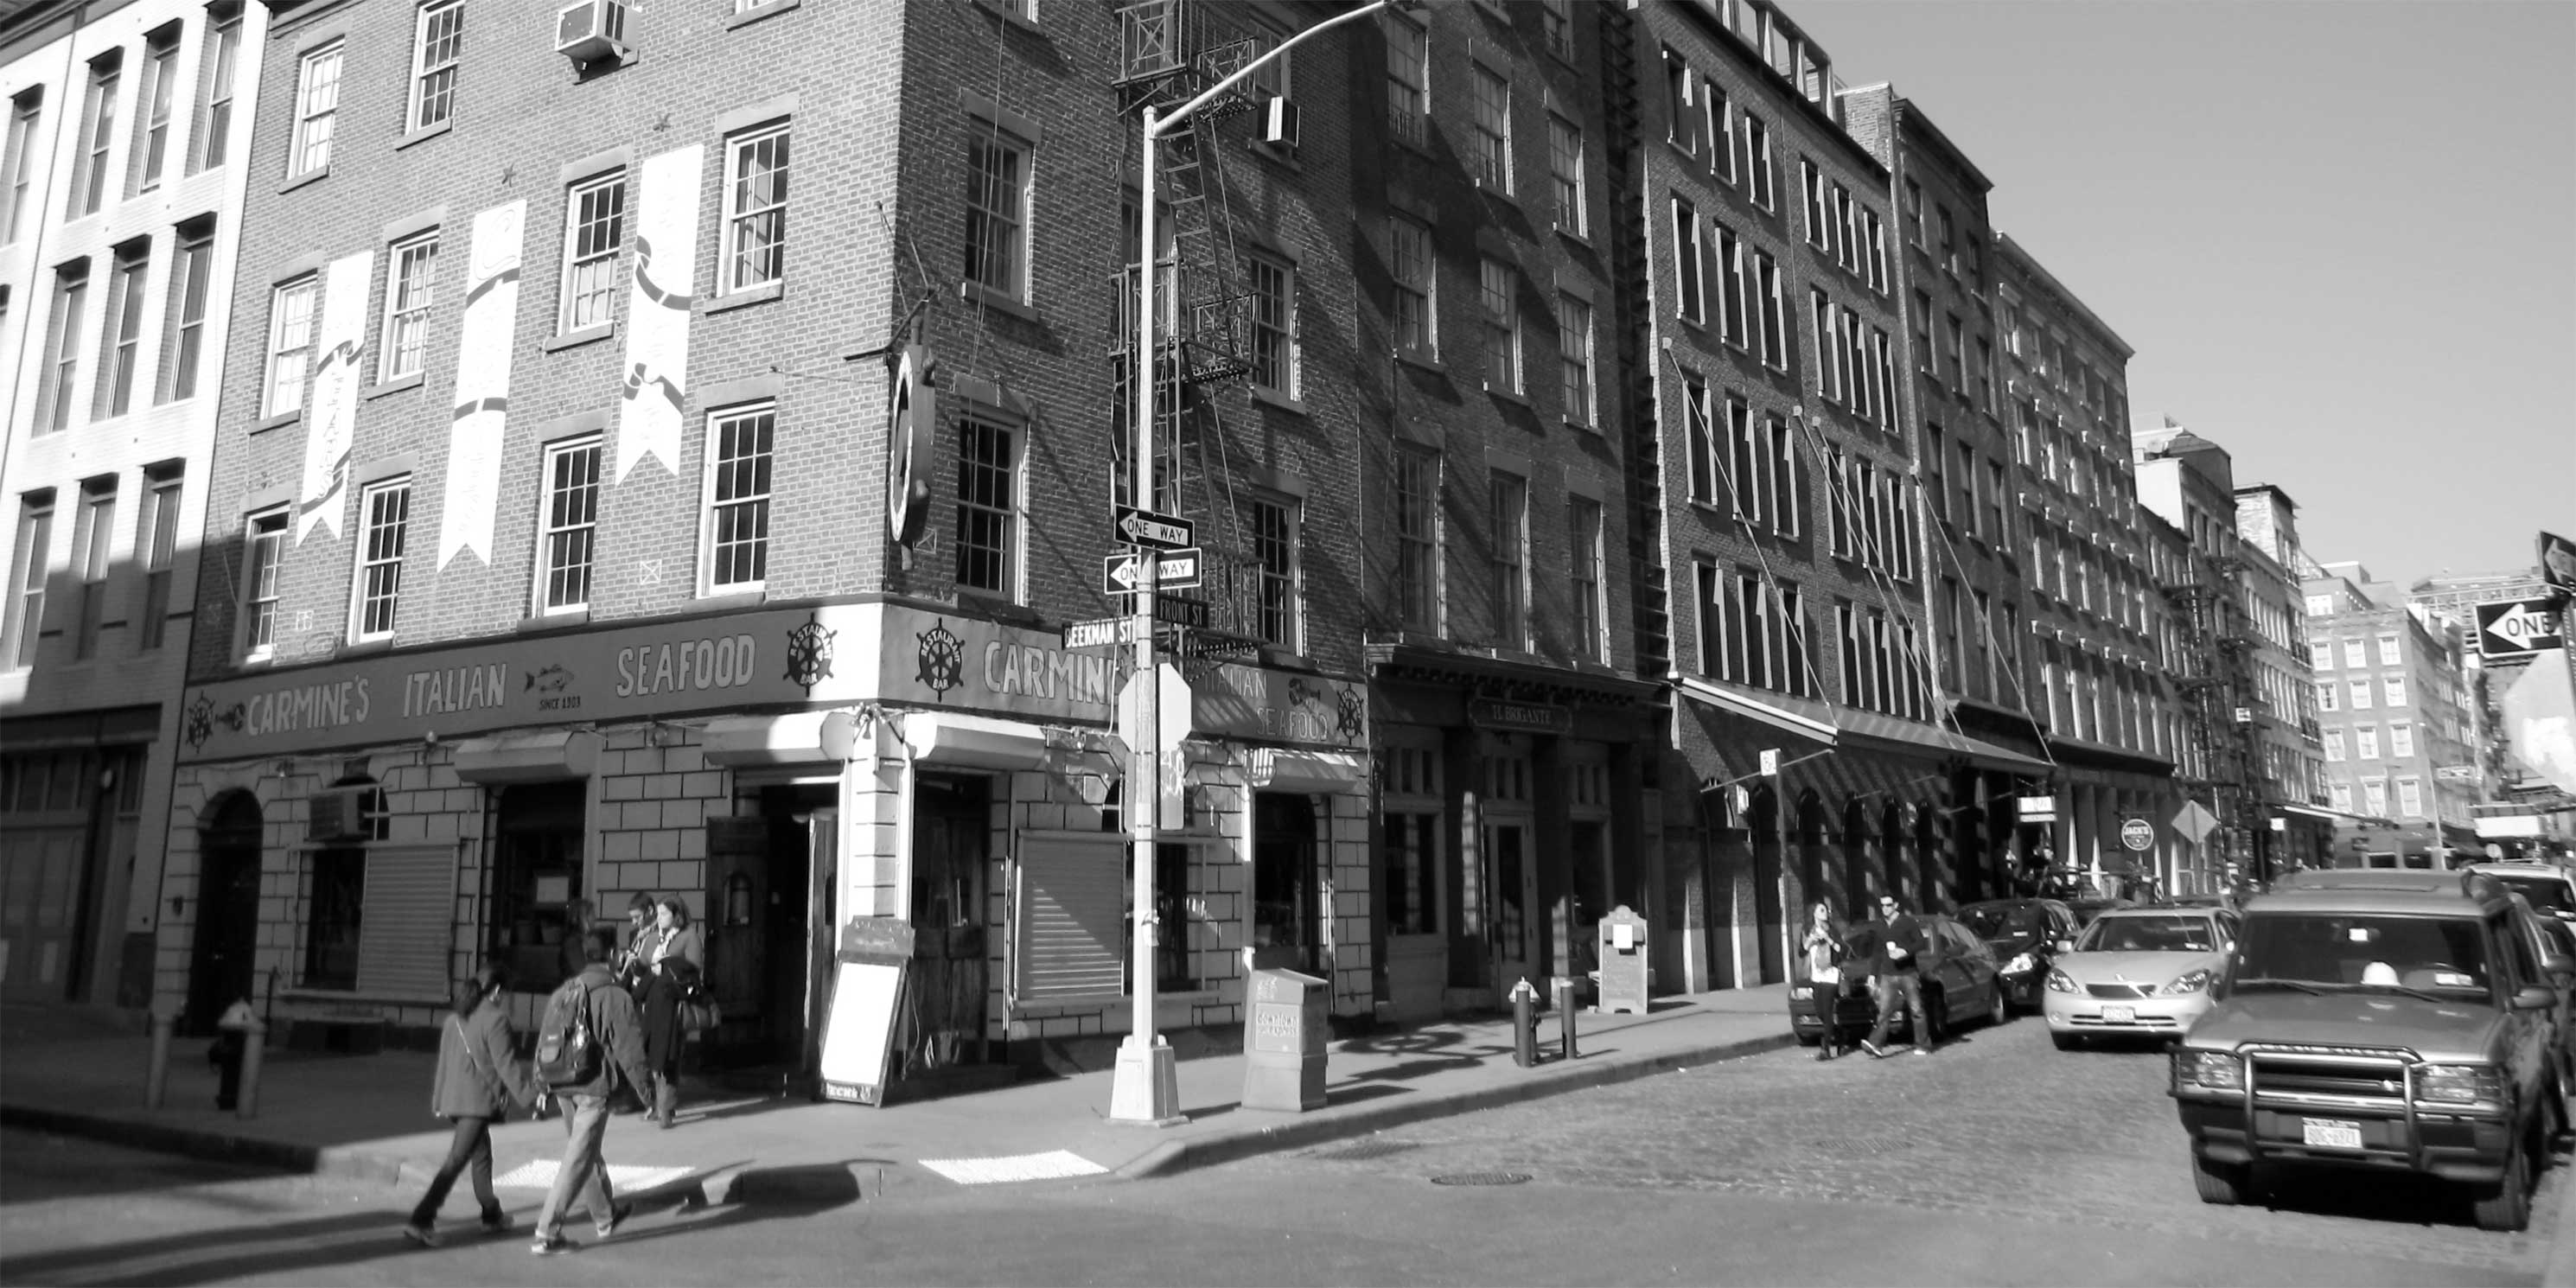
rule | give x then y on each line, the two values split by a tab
1997	1010
2223	1184
2067	1041
2506	1205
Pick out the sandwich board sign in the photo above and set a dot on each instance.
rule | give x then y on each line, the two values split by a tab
867	989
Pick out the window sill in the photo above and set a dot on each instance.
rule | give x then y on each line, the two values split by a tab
1005	14
979	294
717	601
1427	361
425	135
1585	426
1273	398
1506	395
279	420
576	339
366	648
998	606
1502	195
738	21
301	180
743	299
1576	236
565	620
394	386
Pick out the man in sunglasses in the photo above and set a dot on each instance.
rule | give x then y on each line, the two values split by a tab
1898	967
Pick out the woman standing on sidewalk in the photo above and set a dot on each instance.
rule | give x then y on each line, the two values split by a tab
477	1081
1825	952
677	956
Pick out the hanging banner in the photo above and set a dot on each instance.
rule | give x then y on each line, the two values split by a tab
657	310
482	384
331	417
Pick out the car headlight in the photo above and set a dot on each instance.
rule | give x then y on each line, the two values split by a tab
2061	982
2459	1084
1801	991
2208	1071
2021	962
2187	982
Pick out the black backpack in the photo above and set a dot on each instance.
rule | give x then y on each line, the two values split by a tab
567	1051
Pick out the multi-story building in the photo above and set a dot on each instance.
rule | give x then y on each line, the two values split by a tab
122	175
758	389
2184	861
2189	482
2289	755
2397	726
2454	597
2091	661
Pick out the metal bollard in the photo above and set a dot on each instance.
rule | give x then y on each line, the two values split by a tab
1524	1024
254	1040
1564	997
156	1078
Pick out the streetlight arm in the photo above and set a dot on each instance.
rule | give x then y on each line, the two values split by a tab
1155	126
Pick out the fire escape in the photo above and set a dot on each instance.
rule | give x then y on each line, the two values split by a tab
2219	708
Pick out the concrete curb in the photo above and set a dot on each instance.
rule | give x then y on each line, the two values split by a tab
1550	1080
2560	1270
213	1146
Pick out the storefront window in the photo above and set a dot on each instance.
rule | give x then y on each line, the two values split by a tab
338	904
1284	894
1412	848
539	907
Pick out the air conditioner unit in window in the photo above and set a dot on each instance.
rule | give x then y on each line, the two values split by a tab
340	814
591	31
1279	123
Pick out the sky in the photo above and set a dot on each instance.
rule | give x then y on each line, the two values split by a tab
2340	235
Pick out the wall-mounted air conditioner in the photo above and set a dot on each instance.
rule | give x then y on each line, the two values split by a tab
1279	123
591	31
340	814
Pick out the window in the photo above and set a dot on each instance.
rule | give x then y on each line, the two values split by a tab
2401	739
2360	690
317	108
1416	287
1687	274
1697	427
2329	697
263	549
1491	163
1757	161
2410	798
26	606
755	211
192	270
1508	507
1721	131
121	333
1712	617
156	541
290	346
2334	744
1556	22
384	521
1574	354
438	41
1748	476
1994	516
1408	62
1985	373
62	349
1565	170
152	107
988	507
1788	503
2374	795
1682	116
334	917
1735	298
1274	557
2356	653
1775	337
1274	326
1583	530
595	232
2365	741
2340	795
1813	185
97	128
1833	360
410	284
1926	359
1797	675
2388	654
1958	355
1417	533
215	108
738	479
18	162
568	528
997	196
1838	504
2394	687
1502	326
1874	234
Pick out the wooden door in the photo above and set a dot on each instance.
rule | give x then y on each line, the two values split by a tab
951	842
1512	874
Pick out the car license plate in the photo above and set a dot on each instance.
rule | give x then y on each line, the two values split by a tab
2332	1133
2120	1014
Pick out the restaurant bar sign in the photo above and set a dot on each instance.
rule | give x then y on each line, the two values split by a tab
1519	717
657	669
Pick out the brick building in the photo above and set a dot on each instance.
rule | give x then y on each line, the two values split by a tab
2397	725
710	525
2290	756
121	184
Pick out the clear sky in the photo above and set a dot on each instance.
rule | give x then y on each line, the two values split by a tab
2340	234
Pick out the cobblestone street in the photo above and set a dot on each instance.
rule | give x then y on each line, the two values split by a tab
1997	1123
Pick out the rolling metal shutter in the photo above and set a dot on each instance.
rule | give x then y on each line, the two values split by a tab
410	921
1069	918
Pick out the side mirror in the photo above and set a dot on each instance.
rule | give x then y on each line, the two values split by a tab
2533	997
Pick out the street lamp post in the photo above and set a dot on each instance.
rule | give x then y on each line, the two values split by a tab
1145	1087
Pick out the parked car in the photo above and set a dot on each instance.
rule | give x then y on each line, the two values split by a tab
2384	1020
2137	972
2023	934
2549	889
1962	983
2089	907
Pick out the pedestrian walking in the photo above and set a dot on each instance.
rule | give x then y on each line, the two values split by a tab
586	1045
1898	967
477	1081
1826	953
677	959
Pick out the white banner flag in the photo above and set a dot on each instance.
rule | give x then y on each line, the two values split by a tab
331	416
657	310
482	384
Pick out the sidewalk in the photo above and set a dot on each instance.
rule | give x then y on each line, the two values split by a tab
367	1117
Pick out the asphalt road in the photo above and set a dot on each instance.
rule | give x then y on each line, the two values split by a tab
1997	1161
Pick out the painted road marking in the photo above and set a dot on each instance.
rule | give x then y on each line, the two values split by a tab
1019	1167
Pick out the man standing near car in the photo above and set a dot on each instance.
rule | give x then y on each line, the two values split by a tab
1898	966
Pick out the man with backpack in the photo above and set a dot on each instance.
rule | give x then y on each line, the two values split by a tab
590	1038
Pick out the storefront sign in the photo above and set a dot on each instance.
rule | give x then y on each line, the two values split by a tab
944	660
1520	717
1238	700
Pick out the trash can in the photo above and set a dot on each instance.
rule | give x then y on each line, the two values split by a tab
1623	957
1283	1041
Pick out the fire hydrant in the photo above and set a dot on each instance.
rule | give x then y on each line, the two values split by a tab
236	1057
1524	1024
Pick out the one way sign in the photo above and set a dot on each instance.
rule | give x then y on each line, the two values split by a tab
2516	628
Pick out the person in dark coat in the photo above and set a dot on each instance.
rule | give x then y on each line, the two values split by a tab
673	960
478	1079
1899	968
584	1174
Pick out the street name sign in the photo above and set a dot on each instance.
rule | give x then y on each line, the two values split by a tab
1169	611
1155	531
2516	628
1179	571
2455	773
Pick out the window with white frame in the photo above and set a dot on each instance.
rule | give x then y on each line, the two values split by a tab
1813	185
290	346
2329	696
56	391
1508	517
2388	654
2394	687
1502	322
1418	538
1874	233
2374	796
120	335
1757	162
2360	690
1698	429
568	526
740	441
2333	739
1408	79
97	131
18	161
154	99
263	551
1591	609
1775	333
1688	276
755	209
2410	798
1682	117
317	110
438	42
1565	170
988	507
93	539
411	283
215	100
192	268
1735	295
384	529
2356	653
1416	287
2365	741
2401	739
26	589
1275	606
997	211
1788	488
1574	356
2339	795
1491	161
1748	475
1274	325
156	547
594	236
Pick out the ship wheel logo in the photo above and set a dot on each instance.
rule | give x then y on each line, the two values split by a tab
942	658
1353	715
809	654
202	719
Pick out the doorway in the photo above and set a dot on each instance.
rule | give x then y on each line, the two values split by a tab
770	871
951	857
220	968
1286	889
1512	874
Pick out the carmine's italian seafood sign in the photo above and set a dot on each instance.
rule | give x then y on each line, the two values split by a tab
652	669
